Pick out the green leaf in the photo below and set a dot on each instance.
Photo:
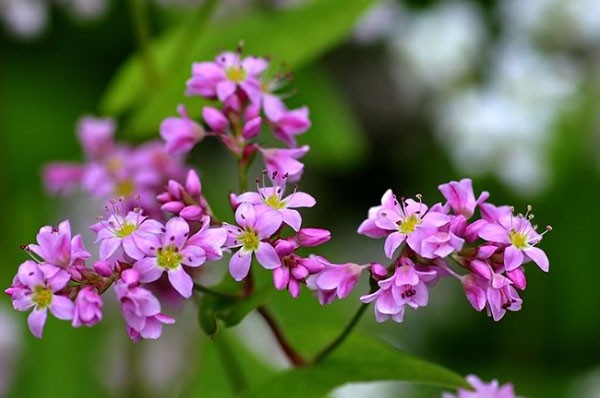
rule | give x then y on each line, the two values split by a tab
229	311
295	36
358	360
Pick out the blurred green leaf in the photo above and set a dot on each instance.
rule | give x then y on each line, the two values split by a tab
358	360
335	137
295	36
229	310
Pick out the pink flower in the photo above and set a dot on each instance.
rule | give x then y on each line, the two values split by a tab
335	280
171	249
284	161
272	197
88	308
286	123
181	133
294	269
140	308
57	248
215	119
61	178
493	389
32	289
461	198
405	287
520	237
118	231
256	226
186	202
496	294
96	136
406	220
223	77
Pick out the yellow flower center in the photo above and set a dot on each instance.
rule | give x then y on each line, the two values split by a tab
124	188
42	296
169	257
408	224
236	75
518	239
274	202
126	230
249	240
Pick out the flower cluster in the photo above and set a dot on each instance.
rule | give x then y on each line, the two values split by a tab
426	243
493	389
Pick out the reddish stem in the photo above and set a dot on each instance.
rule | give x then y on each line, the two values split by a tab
285	345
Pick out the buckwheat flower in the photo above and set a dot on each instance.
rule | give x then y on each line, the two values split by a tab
404	220
496	294
62	178
493	389
140	308
186	202
294	270
168	251
88	308
521	238
286	123
256	226
221	79
461	198
57	249
96	136
285	161
405	287
335	280
120	232
181	133
31	289
273	197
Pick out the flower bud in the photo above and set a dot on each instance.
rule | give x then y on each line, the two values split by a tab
88	308
215	119
310	237
517	277
103	268
252	128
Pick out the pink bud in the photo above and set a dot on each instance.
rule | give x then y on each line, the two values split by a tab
474	291
486	251
233	201
172	207
192	183
103	268
180	133
88	308
310	237
281	277
175	189
481	268
130	277
311	264
215	119
378	271
285	247
163	197
252	128
517	276
299	272
294	288
192	213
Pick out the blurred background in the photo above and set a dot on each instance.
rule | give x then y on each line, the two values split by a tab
405	94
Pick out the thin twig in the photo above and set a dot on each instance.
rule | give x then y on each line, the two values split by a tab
294	357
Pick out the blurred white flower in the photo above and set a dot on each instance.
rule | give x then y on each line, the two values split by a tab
587	385
24	18
379	22
438	46
86	9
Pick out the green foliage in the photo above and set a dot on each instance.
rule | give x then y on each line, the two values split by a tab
296	37
358	360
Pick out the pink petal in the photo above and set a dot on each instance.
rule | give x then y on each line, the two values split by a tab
62	308
494	233
36	321
300	199
131	249
181	281
239	265
108	247
193	256
245	215
148	269
539	257
281	277
393	241
267	256
267	223
513	258
225	89
177	232
291	218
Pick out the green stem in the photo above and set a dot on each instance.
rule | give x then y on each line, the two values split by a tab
325	352
139	16
231	365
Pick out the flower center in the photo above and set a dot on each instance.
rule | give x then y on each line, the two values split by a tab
42	296
274	202
518	239
124	188
408	224
126	230
169	257
235	74
249	240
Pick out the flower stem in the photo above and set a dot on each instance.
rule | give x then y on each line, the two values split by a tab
139	16
325	352
232	367
294	357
